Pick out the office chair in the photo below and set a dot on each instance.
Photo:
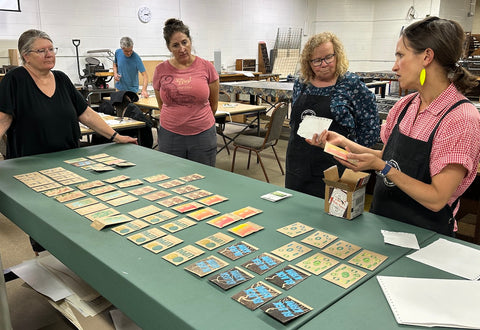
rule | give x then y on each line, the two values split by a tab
258	144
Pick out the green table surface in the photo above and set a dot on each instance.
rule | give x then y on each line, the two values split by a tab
367	308
157	294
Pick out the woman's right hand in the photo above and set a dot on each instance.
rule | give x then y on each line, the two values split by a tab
319	140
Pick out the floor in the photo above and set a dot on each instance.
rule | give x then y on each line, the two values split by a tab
30	310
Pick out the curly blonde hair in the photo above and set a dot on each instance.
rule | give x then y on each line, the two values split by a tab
306	71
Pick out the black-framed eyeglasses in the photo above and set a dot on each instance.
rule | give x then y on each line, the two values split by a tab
327	59
44	51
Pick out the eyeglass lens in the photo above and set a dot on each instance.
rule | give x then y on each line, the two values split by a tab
327	59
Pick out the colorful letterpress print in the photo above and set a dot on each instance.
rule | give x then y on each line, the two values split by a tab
47	187
144	211
99	224
344	275
317	264
142	190
286	309
211	200
125	164
341	249
100	168
162	243
185	189
230	278
179	224
111	195
75	160
101	190
245	229
169	202
247	212
146	236
117	178
156	178
91	208
160	216
91	184
256	295
156	195
319	239
101	214
203	214
238	250
295	229
130	227
224	220
206	266
291	250
187	207
97	156
70	196
183	255
192	177
81	203
213	241
122	200
171	183
368	259
263	263
198	194
287	277
57	191
276	196
129	183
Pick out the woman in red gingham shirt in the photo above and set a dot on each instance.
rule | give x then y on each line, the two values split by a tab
431	145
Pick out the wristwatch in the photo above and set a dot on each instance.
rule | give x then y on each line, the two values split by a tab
383	173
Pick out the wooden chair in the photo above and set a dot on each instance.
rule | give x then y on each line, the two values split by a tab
224	97
258	144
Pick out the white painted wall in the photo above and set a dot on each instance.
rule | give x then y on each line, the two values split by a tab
368	28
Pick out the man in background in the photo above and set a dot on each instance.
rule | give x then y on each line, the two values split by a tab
126	66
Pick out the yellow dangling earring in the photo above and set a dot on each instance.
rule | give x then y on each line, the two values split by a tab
422	76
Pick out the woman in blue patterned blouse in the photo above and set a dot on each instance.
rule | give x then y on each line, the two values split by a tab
326	89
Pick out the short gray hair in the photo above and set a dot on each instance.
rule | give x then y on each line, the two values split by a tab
27	39
126	42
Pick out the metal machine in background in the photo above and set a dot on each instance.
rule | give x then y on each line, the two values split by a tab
95	74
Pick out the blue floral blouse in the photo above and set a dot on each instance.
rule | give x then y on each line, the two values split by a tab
352	105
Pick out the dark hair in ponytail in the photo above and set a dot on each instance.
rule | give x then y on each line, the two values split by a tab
173	25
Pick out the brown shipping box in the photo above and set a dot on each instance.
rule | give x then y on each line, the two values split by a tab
345	196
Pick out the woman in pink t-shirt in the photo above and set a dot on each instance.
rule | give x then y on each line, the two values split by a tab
186	87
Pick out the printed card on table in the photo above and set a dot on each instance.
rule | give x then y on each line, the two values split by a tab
214	241
212	200
368	259
169	202
57	191
287	277
47	187
341	249
291	251
111	195
162	243
295	229
114	161
156	178
125	164
344	276
198	194
262	263
146	236
317	264
117	178
142	190
286	309
97	156
91	184
106	159
102	214
187	207
91	208
319	239
256	295
70	196
245	229
171	183
130	227
247	212
182	255
185	189
101	223
160	217
224	220
179	224
144	211
203	214
101	190
84	163
100	168
156	195
192	177
276	196
122	200
231	278
75	160
206	266
129	183
81	203
238	250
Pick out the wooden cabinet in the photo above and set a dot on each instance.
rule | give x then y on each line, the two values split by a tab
245	64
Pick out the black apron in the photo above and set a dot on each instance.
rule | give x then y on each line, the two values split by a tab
412	157
305	163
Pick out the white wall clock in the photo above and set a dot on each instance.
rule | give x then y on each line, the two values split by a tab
144	14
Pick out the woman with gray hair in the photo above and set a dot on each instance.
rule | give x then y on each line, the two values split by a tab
326	89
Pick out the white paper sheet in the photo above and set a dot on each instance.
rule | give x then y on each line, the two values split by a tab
313	125
433	302
451	257
407	240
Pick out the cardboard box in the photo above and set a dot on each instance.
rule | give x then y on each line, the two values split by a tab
345	196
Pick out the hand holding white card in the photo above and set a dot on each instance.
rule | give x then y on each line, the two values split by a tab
313	125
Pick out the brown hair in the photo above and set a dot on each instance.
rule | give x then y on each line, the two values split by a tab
173	25
315	41
446	39
26	40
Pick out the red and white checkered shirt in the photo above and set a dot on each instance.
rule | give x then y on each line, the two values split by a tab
457	140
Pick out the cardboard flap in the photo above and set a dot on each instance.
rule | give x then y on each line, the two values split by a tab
331	174
354	179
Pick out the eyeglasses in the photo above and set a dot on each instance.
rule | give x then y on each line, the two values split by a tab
44	51
327	59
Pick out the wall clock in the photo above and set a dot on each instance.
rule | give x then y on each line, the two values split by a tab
144	14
